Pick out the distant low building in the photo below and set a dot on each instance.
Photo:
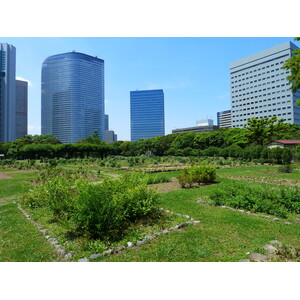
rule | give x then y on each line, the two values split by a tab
196	129
224	119
283	143
206	122
110	136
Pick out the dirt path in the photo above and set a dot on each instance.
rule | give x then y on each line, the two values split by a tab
5	175
277	181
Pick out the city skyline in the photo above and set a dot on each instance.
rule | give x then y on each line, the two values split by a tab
193	72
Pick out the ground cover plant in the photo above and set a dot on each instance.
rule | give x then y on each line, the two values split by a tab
200	174
222	235
279	201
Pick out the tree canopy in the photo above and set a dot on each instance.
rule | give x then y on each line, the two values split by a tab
293	64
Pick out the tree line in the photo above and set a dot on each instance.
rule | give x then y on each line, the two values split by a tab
248	143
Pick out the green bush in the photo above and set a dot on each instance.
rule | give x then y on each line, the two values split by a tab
278	201
285	169
201	174
98	210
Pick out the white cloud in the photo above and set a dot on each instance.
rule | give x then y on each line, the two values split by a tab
23	79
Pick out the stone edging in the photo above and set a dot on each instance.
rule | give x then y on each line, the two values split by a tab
51	240
248	212
67	256
271	250
146	238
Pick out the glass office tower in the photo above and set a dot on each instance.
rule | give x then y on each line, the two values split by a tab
7	93
21	108
73	96
147	114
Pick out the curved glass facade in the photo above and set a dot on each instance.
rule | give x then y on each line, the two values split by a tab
147	114
72	96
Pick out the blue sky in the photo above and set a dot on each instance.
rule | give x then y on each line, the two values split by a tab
192	71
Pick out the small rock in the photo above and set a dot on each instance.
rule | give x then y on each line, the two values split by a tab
267	217
129	244
223	206
83	259
119	248
270	249
179	214
190	222
298	220
94	256
276	243
258	257
148	237
241	210
157	233
108	252
161	208
276	219
172	228
247	253
167	211
138	243
68	256
51	239
287	222
57	246
181	225
196	222
61	251
165	231
187	216
245	260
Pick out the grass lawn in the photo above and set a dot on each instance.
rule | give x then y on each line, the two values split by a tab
20	240
222	235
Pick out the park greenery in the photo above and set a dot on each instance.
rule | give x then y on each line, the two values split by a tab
244	143
293	65
94	196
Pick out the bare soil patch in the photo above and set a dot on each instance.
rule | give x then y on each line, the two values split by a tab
280	181
5	175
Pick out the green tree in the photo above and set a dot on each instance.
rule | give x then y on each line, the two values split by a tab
293	64
262	130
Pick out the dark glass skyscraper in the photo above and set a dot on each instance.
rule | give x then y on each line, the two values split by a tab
147	114
73	96
7	93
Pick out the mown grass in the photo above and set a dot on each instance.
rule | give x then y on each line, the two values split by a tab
20	241
260	171
222	235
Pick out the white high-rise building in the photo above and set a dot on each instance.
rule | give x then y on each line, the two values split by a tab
259	87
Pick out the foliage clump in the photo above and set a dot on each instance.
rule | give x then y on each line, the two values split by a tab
277	201
102	210
201	174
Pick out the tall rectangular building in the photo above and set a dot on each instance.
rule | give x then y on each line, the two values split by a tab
147	114
73	96
259	87
224	119
7	93
21	108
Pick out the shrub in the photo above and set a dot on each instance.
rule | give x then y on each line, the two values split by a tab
98	210
279	201
285	169
201	174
